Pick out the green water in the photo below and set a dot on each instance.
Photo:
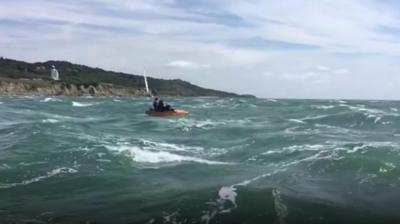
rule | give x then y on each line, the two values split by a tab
102	160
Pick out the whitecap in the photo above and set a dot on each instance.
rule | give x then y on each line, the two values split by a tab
189	124
208	216
50	99
296	148
144	156
369	112
49	174
228	194
31	163
52	121
323	107
314	117
152	145
297	121
103	160
4	166
79	104
280	208
29	97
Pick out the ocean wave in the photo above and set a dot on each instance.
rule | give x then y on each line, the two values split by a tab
80	104
372	112
330	147
357	117
49	120
277	151
369	146
297	148
4	166
323	107
297	121
317	117
229	193
145	156
51	99
341	101
281	209
387	167
152	145
189	124
49	174
65	118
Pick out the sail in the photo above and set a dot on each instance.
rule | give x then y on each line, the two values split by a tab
145	82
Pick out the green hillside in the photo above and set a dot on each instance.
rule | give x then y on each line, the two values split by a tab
81	74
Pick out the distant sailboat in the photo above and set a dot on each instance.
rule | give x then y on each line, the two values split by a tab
151	112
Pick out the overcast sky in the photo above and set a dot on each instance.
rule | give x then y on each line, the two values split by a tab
270	48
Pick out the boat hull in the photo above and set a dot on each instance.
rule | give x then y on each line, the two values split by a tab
176	112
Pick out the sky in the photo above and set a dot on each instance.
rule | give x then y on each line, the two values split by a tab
336	49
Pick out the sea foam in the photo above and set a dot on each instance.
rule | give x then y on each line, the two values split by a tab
146	156
49	174
79	104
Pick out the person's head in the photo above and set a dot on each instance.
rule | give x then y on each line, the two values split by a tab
53	66
155	99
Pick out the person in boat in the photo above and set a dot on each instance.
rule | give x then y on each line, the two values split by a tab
169	108
160	106
155	104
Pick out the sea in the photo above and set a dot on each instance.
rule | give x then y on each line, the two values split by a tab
231	160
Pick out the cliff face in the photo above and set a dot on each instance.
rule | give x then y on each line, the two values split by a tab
50	88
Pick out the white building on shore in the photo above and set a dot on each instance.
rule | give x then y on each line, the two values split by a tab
54	73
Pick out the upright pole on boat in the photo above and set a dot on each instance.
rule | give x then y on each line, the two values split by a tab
145	83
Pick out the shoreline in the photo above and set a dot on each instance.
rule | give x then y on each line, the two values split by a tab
41	87
47	87
23	78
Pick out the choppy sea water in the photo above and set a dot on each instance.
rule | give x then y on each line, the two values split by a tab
102	160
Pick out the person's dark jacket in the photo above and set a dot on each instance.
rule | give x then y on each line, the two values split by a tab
160	106
155	104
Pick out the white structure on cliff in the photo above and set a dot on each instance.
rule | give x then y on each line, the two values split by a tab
54	73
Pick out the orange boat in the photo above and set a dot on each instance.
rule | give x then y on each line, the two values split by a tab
151	112
175	112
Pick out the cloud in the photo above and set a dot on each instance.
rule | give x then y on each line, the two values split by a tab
341	71
327	69
323	68
186	65
182	64
214	41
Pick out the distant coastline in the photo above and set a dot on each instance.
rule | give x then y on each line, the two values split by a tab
55	88
23	78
